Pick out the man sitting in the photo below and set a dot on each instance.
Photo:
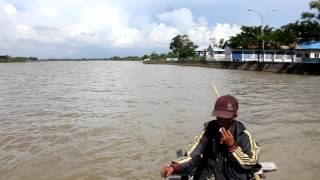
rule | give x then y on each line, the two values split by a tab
224	150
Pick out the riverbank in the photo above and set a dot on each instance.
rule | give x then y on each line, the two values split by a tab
277	67
11	60
8	59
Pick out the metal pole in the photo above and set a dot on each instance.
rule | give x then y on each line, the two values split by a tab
262	33
204	53
262	27
202	42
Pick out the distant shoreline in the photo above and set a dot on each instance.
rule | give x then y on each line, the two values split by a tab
59	60
276	67
12	61
85	60
8	59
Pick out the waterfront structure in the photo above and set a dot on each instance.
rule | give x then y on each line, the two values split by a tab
201	51
172	59
307	52
211	53
145	60
215	54
270	55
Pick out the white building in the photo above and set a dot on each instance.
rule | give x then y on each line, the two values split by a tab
307	52
215	54
270	55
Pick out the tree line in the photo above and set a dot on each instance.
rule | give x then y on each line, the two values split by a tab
8	58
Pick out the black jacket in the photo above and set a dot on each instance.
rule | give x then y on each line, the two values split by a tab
206	157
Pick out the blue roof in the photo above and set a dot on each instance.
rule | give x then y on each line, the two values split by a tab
310	45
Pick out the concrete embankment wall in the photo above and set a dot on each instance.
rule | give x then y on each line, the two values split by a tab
289	68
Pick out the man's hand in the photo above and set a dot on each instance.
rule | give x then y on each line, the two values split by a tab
166	171
226	137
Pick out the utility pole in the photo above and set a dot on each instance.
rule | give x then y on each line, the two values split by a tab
204	53
262	27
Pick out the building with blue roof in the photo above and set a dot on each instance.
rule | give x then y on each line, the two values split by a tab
309	45
309	52
305	52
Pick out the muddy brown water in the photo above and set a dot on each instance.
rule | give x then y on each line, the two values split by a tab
125	120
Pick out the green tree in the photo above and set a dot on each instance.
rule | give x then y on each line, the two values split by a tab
287	36
248	38
172	55
314	14
182	46
144	57
309	27
308	31
154	56
163	56
115	58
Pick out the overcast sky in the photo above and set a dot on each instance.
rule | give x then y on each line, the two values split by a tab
104	28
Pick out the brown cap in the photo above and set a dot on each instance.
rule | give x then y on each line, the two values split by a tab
225	107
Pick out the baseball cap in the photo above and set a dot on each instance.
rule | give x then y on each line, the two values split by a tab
225	107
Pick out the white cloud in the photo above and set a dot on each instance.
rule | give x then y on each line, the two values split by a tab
161	35
126	37
224	31
8	29
180	18
47	11
40	34
104	25
206	35
101	25
10	9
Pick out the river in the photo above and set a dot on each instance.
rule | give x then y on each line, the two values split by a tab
125	120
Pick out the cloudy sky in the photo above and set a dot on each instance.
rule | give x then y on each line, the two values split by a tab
104	28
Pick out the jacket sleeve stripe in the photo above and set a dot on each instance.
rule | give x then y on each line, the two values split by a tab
239	153
195	143
192	148
245	159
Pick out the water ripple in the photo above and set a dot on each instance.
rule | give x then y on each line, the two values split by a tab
125	120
